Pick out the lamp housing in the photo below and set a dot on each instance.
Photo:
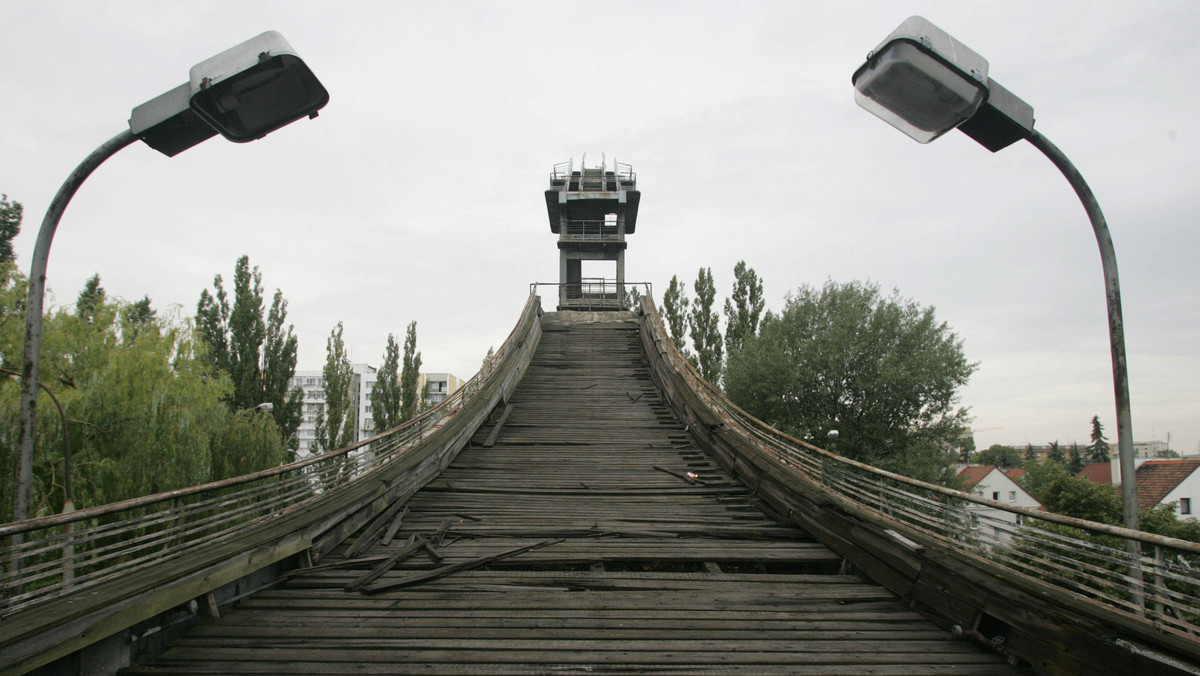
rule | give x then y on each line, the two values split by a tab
250	90
168	124
924	82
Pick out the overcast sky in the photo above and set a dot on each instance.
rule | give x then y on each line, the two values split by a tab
417	193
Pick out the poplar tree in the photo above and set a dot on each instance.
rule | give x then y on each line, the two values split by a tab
385	398
705	328
258	355
410	375
336	420
278	367
675	311
744	308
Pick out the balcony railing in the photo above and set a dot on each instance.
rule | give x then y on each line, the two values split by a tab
591	231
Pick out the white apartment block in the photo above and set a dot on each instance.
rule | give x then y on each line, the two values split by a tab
436	387
313	384
441	385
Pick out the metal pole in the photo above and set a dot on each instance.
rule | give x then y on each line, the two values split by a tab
1116	325
33	312
1116	336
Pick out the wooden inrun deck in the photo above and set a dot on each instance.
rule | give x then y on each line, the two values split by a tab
646	559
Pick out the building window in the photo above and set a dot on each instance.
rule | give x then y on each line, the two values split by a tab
1012	496
996	496
1185	506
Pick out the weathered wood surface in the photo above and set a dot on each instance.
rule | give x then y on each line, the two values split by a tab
656	571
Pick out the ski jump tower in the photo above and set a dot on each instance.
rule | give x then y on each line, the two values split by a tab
591	210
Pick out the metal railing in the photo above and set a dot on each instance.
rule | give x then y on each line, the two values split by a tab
47	557
1085	558
564	177
591	231
595	294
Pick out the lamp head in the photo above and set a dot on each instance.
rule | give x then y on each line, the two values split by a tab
924	82
243	93
251	90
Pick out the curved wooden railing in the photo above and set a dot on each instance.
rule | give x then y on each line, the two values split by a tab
96	570
1017	579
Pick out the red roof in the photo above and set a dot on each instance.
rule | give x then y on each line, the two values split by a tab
974	474
1015	474
1156	478
1098	473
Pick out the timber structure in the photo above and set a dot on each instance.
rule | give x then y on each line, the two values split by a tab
588	503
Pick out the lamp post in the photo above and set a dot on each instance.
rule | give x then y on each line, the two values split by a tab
924	82
243	93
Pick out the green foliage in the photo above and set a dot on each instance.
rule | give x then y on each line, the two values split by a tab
246	335
1162	519
633	298
278	366
1031	456
704	327
1056	454
385	398
90	300
137	317
1098	451
1004	457
744	308
13	291
248	442
675	311
1075	463
10	225
1062	493
145	412
258	355
410	375
336	420
880	370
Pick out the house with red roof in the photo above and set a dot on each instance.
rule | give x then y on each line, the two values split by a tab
993	483
1161	482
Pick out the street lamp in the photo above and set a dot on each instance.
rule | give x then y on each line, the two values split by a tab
243	93
925	83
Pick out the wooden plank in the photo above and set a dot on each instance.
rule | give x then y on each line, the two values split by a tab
491	439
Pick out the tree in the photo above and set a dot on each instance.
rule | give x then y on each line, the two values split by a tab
880	370
633	298
10	225
1061	493
1056	454
744	308
258	355
90	299
137	317
1031	456
410	375
1098	451
1004	457
704	327
385	398
337	419
675	311
278	367
1076	463
247	332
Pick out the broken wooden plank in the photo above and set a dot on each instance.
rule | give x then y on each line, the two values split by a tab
454	568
